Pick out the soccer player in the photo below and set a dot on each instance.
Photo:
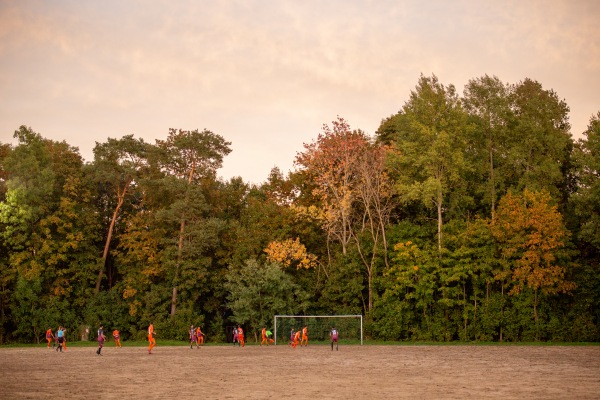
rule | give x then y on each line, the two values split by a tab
64	343
304	341
192	334
296	339
151	338
101	339
241	336
334	338
117	337
292	334
264	338
236	336
269	334
199	337
60	335
49	336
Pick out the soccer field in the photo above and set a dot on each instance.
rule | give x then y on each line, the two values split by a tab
314	372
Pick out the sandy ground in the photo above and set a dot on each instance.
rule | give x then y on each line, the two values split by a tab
313	372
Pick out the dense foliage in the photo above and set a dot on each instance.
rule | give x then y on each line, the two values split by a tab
473	217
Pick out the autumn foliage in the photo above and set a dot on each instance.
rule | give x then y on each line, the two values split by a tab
470	218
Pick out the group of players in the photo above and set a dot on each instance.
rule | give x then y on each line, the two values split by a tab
295	339
58	340
197	338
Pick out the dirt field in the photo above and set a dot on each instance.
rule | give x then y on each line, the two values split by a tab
314	372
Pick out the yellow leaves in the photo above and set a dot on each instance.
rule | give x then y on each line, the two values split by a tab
290	252
406	250
129	292
133	307
311	212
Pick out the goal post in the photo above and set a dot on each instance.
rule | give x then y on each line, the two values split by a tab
349	326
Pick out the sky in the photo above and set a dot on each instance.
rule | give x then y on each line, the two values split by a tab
266	75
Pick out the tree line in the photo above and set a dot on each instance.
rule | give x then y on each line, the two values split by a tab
471	218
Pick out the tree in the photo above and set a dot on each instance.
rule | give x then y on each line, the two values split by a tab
541	145
530	234
409	293
330	162
49	230
257	292
349	179
428	137
118	165
189	156
586	199
486	99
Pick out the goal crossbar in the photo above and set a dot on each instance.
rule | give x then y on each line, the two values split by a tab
318	316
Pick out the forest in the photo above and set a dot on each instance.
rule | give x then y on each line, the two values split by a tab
464	217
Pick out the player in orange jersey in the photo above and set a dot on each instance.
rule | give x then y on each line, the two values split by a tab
241	336
199	336
265	339
296	339
117	337
151	338
304	341
49	336
64	343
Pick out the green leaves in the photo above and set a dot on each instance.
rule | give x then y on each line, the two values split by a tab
257	292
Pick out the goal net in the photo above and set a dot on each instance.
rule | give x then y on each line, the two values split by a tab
350	327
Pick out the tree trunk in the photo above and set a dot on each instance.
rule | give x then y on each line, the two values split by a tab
439	213
370	289
177	266
535	314
502	313
180	250
492	178
121	199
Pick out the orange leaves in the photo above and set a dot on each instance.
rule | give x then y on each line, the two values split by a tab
530	231
290	252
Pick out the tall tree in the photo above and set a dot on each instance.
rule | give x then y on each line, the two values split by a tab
331	161
587	197
541	142
349	179
531	234
49	227
428	135
118	164
189	156
486	99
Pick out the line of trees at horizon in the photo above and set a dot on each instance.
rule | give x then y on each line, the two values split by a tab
471	218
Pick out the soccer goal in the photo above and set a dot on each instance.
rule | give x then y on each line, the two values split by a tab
319	326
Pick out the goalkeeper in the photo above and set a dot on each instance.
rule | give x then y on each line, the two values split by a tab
334	338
